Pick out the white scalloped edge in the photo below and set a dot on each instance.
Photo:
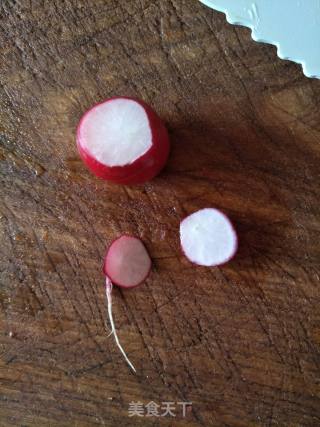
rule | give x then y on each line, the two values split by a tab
234	20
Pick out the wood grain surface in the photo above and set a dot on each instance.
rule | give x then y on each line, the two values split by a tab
240	342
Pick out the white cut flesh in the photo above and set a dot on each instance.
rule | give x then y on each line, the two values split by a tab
208	237
116	132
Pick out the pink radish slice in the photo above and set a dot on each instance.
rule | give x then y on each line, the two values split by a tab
208	237
123	140
127	262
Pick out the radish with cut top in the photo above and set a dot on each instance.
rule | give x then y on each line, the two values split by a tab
127	264
208	237
123	140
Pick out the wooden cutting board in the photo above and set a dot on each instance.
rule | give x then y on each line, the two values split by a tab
240	342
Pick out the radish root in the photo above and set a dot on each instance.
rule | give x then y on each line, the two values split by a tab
113	329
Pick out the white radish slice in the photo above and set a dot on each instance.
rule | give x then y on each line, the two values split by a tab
208	237
127	264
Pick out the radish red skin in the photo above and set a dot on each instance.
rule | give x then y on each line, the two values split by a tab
112	278
232	255
142	169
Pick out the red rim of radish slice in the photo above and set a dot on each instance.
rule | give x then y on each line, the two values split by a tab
107	270
140	169
229	233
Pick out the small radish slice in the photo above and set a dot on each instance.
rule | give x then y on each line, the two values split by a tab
127	264
123	140
208	237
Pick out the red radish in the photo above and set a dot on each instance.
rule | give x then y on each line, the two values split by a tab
127	264
123	140
208	237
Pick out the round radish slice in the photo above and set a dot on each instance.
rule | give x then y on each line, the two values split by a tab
123	140
208	237
127	263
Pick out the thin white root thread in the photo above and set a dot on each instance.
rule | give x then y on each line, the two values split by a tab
113	329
